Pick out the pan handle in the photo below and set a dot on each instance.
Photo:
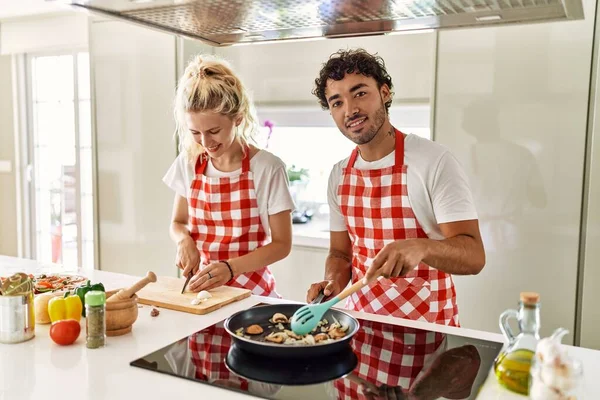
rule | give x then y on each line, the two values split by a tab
319	298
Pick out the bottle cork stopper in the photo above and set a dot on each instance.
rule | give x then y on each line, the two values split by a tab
530	298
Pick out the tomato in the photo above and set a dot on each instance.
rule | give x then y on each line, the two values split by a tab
45	284
65	332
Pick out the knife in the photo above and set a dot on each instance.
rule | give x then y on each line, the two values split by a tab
186	282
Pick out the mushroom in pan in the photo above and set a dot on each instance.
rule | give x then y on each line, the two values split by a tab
276	337
254	330
321	337
337	333
293	335
278	317
309	339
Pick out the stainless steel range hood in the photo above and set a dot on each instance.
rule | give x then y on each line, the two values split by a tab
227	22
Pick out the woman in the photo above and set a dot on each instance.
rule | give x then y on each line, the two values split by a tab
232	210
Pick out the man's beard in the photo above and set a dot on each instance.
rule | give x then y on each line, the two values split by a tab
377	122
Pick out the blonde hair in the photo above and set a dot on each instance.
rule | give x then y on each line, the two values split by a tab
209	84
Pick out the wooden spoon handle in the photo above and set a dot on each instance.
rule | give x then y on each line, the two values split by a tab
350	290
127	293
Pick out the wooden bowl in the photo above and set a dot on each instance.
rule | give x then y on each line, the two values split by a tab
120	315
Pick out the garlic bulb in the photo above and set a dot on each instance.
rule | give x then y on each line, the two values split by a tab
555	375
203	295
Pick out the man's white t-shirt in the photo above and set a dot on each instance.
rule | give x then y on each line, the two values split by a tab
270	182
438	188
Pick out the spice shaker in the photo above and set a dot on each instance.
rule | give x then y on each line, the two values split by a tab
95	321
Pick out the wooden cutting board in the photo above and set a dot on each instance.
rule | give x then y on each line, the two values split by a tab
166	293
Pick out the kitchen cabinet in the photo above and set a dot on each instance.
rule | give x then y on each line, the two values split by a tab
133	80
590	313
294	274
511	103
285	72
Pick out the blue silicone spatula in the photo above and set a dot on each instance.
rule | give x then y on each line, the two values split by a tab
306	318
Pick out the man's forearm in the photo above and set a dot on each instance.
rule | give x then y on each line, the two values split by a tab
338	268
459	255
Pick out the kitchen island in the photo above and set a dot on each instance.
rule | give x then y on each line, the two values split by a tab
40	369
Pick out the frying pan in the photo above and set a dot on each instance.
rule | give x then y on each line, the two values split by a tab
261	315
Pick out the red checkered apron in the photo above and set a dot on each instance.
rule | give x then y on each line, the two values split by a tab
377	210
388	355
225	222
208	349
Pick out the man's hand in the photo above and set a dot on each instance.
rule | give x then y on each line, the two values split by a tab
329	288
384	392
397	258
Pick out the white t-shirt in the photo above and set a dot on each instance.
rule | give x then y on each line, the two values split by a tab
270	182
438	188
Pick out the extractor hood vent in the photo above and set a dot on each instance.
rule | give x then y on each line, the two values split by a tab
227	22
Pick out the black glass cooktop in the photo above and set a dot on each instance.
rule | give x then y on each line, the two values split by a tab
383	361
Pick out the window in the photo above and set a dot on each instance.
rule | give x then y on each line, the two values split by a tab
310	144
61	168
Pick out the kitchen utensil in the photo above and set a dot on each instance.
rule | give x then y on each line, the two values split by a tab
166	293
120	314
319	298
306	318
127	293
260	315
17	318
187	280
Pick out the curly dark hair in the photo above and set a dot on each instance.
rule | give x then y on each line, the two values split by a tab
347	62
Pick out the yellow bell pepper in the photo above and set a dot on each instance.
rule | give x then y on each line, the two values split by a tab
67	307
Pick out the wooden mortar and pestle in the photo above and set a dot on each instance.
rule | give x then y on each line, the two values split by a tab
122	307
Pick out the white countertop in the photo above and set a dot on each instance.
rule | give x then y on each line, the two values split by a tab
314	233
40	369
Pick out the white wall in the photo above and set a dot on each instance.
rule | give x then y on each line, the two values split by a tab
8	186
46	33
24	8
133	75
285	72
512	105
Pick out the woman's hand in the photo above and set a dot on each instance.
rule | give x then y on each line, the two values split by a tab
212	276
188	256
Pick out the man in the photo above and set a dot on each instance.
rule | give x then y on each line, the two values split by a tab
402	214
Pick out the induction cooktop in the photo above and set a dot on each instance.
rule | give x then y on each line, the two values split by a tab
383	361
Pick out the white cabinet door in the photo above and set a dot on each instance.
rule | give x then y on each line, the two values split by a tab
512	105
295	273
133	81
285	72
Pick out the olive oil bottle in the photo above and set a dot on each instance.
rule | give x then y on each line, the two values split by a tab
514	361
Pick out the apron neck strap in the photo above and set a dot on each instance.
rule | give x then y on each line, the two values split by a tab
399	151
202	161
246	159
399	148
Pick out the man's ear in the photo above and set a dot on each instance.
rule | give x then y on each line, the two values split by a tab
386	93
